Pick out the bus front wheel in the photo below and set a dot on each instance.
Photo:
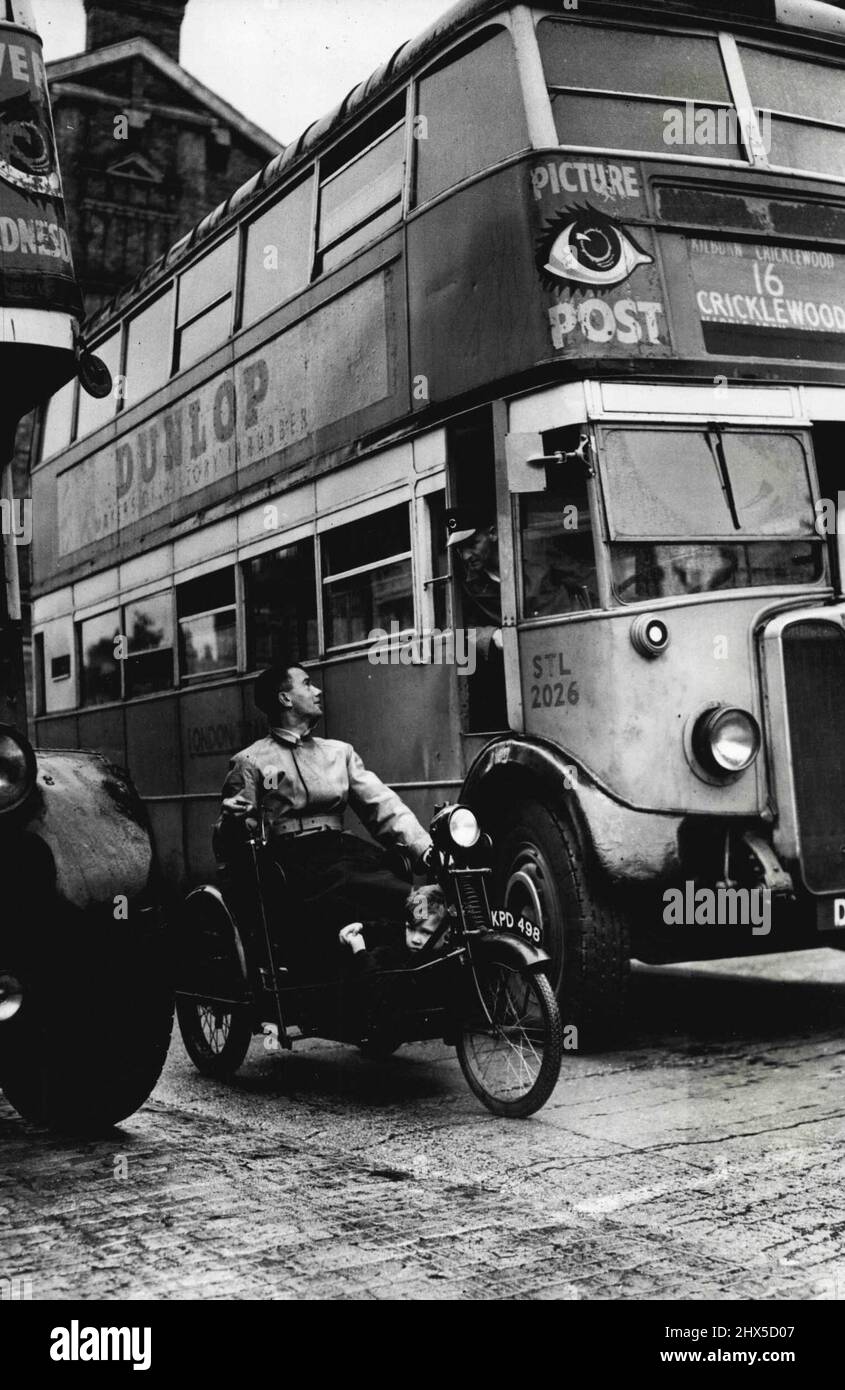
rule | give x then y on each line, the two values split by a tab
557	901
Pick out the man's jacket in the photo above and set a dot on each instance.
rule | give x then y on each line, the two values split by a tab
291	777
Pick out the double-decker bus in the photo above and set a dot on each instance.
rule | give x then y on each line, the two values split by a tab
579	271
85	999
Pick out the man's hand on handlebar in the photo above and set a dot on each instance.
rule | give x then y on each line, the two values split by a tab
239	806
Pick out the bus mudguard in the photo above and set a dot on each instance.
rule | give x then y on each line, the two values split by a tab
630	844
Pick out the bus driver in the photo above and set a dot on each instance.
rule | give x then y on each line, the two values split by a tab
476	540
302	785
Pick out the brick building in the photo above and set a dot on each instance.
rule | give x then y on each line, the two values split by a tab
145	149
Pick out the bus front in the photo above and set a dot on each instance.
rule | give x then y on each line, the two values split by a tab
671	562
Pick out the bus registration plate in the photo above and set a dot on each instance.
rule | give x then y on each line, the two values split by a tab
830	914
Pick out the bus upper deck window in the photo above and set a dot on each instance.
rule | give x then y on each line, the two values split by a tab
589	67
277	252
473	112
58	421
207	624
808	131
367	577
281	604
206	296
93	411
148	338
361	186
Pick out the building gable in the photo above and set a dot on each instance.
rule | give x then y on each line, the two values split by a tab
139	74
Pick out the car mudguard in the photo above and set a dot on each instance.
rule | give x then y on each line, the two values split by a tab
83	835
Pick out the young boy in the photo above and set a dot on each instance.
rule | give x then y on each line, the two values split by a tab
425	911
374	992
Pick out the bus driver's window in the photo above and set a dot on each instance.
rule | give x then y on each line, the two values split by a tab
471	539
558	554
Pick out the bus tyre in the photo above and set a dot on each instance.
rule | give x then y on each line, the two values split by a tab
91	1037
216	1036
558	902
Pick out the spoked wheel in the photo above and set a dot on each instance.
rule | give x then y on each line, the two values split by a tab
511	1042
216	1037
216	1034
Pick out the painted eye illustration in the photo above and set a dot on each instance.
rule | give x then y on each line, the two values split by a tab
585	247
27	158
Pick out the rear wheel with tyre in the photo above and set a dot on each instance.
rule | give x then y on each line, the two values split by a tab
216	1036
216	1030
92	1014
510	1042
558	901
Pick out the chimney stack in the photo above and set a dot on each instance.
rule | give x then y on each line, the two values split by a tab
112	21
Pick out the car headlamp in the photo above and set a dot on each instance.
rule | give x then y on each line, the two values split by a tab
464	828
726	740
18	769
11	996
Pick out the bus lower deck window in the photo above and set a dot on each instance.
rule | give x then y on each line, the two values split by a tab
280	589
207	624
367	580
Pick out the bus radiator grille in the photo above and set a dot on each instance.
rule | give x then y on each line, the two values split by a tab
814	671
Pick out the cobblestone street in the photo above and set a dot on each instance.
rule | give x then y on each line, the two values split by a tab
705	1160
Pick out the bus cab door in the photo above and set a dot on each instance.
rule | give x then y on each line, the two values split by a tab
550	577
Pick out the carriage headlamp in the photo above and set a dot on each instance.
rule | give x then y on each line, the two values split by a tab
17	769
726	740
464	828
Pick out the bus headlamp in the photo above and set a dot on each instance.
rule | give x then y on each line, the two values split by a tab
726	740
464	828
17	769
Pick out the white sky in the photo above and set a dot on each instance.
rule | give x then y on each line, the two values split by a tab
283	63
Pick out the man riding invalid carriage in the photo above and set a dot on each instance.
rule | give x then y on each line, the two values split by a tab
301	785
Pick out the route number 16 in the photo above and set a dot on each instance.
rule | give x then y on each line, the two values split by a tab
767	283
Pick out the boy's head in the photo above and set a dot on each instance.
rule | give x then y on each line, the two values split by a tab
425	910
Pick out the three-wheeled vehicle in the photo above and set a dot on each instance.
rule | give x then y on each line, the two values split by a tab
481	990
85	1003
